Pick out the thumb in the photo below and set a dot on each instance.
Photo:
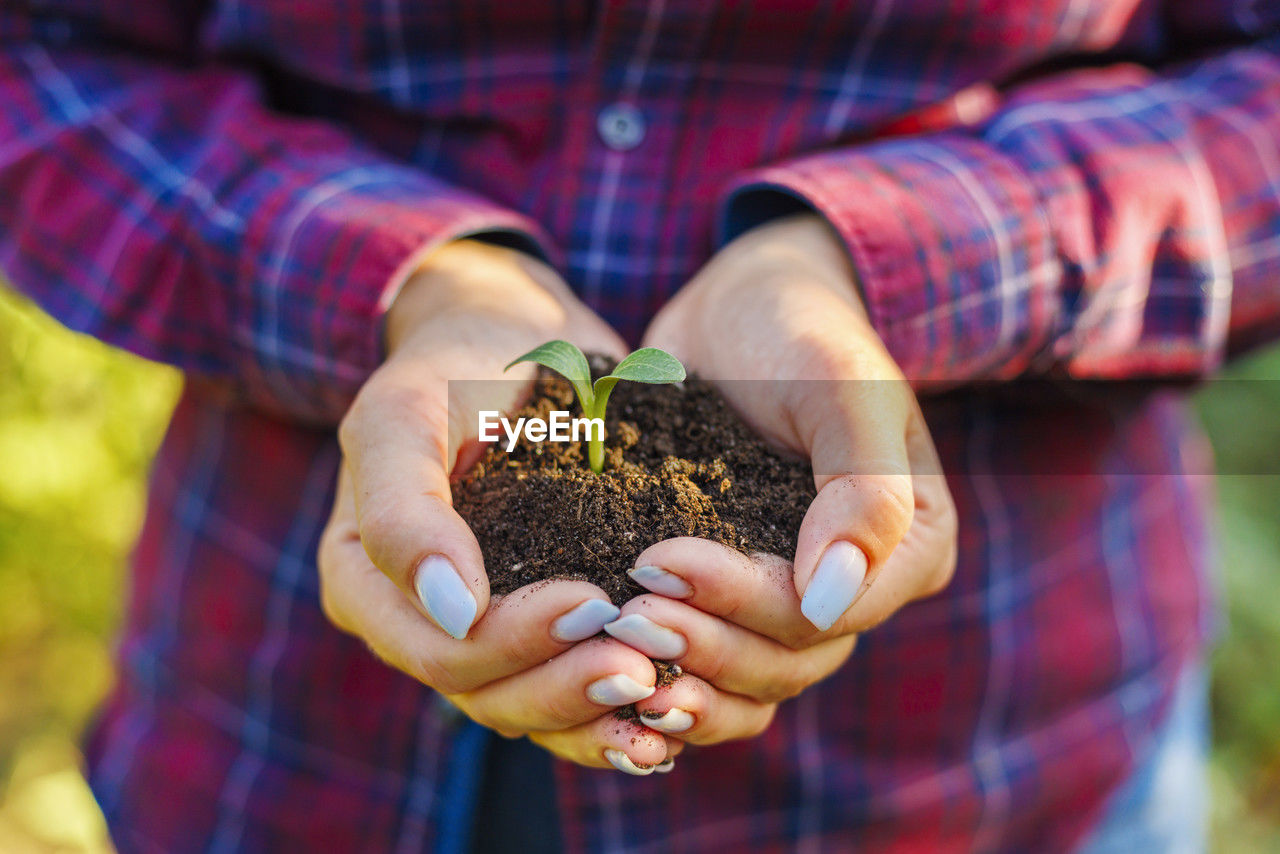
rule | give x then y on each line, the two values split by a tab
395	441
855	433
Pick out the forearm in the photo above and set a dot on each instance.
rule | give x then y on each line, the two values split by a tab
1109	223
167	210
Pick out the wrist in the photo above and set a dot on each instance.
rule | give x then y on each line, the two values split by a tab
469	273
804	246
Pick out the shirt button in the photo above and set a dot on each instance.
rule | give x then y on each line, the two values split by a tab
621	126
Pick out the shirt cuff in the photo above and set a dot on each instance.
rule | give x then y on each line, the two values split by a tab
333	262
952	252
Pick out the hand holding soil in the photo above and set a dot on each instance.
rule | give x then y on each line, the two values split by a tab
780	306
725	510
679	464
400	569
690	504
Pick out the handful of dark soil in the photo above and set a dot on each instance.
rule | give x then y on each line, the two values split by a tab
679	462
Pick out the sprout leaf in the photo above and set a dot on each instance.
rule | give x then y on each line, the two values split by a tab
650	365
566	360
646	365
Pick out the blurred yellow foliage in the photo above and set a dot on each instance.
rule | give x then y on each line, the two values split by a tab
79	423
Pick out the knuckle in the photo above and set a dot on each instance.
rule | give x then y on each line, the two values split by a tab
480	713
430	671
559	711
796	677
381	517
324	556
460	683
330	602
401	399
732	600
347	426
792	686
803	636
353	421
330	607
383	521
944	568
763	722
820	359
894	503
500	720
715	666
516	650
327	556
776	692
949	518
945	571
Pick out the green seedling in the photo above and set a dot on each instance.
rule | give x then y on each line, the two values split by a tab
646	365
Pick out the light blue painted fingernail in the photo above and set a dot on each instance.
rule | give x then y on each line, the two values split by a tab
660	581
643	634
618	690
445	595
623	763
584	620
835	584
673	722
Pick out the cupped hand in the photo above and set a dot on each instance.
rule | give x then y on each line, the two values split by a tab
778	314
400	569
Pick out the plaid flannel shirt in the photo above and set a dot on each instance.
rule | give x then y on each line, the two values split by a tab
1082	189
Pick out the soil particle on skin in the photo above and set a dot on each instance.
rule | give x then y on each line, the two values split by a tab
678	463
668	672
627	713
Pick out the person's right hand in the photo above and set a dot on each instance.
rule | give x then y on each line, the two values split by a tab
400	569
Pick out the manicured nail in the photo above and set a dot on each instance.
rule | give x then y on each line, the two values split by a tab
835	584
666	766
623	763
445	595
617	690
674	721
658	580
655	641
584	620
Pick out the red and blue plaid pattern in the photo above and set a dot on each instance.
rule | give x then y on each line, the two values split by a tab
235	187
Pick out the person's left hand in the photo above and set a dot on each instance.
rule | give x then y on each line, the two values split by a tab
780	306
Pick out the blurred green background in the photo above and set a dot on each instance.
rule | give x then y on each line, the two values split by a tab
79	423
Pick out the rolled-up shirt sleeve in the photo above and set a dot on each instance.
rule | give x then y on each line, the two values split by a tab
1103	223
169	211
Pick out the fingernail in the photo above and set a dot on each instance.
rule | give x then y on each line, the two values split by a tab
666	766
835	584
655	641
674	721
617	690
584	620
658	580
445	595
623	763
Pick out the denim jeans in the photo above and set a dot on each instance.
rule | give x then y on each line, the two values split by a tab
1163	808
